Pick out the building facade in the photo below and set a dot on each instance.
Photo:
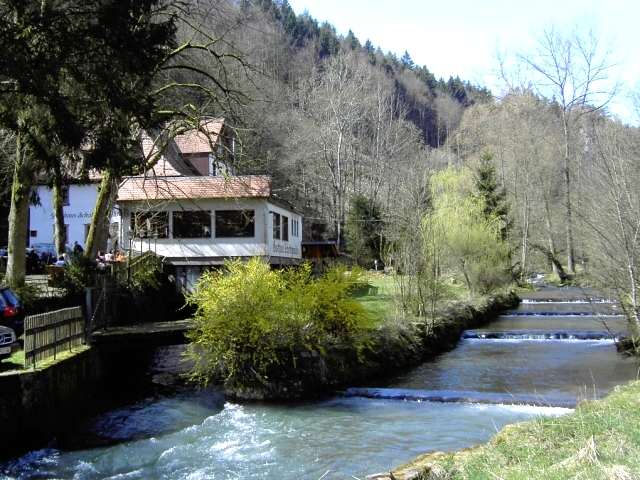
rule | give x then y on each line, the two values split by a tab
188	207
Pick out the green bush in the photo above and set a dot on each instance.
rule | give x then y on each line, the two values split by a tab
252	320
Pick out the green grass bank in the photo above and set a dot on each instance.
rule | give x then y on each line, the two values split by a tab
600	440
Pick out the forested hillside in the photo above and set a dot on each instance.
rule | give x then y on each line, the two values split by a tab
337	122
357	139
332	116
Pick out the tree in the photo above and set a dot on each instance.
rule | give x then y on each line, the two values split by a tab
407	61
492	196
68	77
470	240
614	219
363	230
574	71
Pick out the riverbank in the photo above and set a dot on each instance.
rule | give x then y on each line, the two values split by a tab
599	440
392	346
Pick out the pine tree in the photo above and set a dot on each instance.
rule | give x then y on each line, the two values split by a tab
407	61
493	196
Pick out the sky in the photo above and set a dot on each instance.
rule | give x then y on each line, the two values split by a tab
463	37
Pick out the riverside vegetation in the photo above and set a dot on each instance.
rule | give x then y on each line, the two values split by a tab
283	334
600	440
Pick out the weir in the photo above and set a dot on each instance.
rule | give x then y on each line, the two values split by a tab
540	335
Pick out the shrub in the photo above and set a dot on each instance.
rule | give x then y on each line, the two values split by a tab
252	320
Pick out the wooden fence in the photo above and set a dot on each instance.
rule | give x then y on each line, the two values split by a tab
47	334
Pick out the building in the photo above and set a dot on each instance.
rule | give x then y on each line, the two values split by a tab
195	222
78	199
188	207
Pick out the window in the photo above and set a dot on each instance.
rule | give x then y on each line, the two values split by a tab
213	170
276	225
285	228
295	228
150	224
192	224
235	223
65	195
33	233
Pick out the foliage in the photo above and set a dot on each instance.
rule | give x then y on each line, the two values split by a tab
79	273
148	276
363	230
251	319
468	242
492	196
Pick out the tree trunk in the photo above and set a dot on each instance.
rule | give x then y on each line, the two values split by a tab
58	211
99	228
18	216
525	239
567	192
552	245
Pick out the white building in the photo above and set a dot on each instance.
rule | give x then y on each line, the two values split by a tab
188	208
197	222
78	201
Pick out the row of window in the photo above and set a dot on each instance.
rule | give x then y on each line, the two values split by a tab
281	227
197	224
194	224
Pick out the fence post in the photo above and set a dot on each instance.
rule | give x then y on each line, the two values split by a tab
88	301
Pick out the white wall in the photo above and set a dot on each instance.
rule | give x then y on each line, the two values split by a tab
200	247
82	200
77	214
280	248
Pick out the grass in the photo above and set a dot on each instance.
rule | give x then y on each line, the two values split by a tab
600	440
14	362
378	299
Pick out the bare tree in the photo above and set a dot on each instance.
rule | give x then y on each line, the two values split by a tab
614	217
574	71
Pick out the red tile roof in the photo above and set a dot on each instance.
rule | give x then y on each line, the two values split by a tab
170	162
203	140
176	188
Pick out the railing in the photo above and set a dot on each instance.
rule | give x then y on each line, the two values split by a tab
48	334
144	261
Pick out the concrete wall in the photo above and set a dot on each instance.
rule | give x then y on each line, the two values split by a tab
35	405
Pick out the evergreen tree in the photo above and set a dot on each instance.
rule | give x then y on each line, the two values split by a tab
494	197
352	41
407	61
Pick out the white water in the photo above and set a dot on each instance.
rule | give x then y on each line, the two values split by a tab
344	436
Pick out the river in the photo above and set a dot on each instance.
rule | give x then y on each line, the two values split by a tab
540	359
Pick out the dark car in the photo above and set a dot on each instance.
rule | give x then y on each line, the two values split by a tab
11	310
7	341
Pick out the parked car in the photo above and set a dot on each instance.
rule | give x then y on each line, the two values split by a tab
7	341
46	252
11	310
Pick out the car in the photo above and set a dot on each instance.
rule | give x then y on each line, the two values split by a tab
7	342
44	248
11	310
